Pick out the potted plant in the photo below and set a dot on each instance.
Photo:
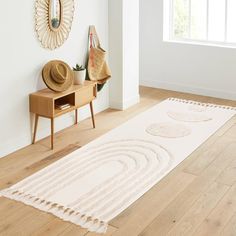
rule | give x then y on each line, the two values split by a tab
55	23
79	74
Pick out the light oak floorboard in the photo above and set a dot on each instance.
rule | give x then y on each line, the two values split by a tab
228	176
23	221
141	216
7	208
211	173
171	215
231	132
220	216
230	228
73	230
110	231
206	157
184	193
199	210
54	227
26	170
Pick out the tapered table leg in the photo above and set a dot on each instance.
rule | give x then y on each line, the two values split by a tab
92	114
35	127
52	133
76	116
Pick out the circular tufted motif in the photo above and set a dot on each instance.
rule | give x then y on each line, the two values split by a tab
168	130
197	108
188	116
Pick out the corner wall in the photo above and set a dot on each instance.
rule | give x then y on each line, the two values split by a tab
22	59
124	53
204	70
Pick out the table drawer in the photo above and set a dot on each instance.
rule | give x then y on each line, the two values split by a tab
85	96
42	106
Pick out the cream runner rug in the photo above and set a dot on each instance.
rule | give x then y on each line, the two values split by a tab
94	184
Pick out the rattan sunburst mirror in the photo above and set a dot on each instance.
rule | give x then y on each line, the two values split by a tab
53	20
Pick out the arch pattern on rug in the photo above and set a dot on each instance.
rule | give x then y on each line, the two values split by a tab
143	163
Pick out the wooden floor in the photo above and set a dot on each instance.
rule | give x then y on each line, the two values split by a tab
197	198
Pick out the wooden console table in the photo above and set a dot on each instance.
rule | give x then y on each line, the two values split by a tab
43	103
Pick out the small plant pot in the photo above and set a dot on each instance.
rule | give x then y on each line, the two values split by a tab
79	77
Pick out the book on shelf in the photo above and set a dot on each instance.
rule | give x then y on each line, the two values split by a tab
63	106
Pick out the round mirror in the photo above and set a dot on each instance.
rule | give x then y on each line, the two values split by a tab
55	14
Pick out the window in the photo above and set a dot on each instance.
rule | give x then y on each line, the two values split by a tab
209	21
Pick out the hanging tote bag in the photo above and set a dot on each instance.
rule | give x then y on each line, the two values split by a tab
98	69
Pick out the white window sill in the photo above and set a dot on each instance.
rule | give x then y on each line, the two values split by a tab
201	43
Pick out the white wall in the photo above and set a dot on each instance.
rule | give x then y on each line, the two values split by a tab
124	53
131	52
196	69
116	51
22	59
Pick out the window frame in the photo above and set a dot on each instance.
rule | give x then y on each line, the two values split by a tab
188	40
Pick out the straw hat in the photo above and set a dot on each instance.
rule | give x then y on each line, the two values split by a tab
58	76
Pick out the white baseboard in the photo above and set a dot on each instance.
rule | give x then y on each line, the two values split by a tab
189	89
119	105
